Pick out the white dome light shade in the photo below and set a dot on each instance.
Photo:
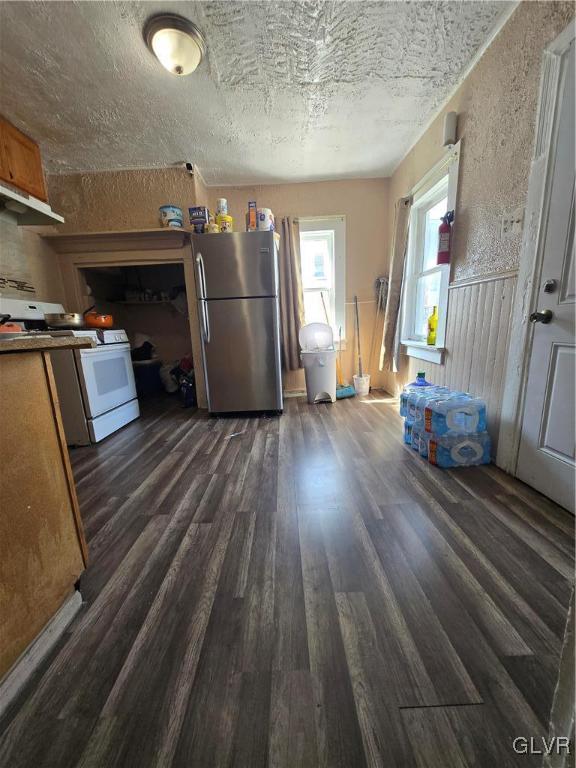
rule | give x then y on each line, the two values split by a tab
176	42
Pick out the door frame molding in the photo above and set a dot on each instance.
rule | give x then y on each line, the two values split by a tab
532	250
120	249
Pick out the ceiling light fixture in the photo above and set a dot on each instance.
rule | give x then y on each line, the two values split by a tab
177	43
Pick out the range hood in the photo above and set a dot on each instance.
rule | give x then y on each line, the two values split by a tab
28	210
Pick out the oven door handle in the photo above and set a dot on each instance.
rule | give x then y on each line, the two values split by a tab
101	349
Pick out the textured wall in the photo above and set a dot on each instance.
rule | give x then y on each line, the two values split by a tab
497	112
26	257
120	200
496	108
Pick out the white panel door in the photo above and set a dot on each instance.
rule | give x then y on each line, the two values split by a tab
547	446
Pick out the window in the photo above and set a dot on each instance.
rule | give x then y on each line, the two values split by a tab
323	257
426	283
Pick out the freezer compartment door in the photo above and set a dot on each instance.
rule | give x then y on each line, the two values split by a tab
235	265
241	347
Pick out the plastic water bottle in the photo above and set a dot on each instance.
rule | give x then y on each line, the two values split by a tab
418	399
421	438
414	386
408	423
459	450
423	442
416	403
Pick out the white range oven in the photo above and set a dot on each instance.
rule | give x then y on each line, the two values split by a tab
96	386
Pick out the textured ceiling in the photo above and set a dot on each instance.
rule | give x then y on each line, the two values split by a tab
288	90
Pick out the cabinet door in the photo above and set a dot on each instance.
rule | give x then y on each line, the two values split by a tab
21	163
42	548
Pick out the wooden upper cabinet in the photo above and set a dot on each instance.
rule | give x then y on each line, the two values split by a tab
20	161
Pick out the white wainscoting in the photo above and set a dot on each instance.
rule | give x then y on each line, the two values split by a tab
477	335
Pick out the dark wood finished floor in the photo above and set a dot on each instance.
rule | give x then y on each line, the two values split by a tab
299	591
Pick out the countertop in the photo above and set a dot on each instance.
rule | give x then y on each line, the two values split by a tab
44	344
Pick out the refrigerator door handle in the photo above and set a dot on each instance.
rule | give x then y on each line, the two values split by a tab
201	275
205	322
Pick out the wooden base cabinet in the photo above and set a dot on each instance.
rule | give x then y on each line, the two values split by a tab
42	546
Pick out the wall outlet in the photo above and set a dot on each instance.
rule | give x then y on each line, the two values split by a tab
512	223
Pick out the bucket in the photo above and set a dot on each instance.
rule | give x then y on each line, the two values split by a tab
170	216
362	384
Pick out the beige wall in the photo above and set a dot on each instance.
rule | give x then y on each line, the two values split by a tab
365	204
496	105
24	256
168	330
119	200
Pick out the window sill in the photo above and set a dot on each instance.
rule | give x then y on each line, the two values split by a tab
423	351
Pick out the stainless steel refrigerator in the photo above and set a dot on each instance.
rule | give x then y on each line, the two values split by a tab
238	309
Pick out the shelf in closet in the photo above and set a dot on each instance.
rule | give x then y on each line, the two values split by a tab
143	303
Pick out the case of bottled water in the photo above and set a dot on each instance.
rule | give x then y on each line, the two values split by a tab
459	450
416	404
444	426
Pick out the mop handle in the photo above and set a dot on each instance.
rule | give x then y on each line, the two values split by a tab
358	335
325	310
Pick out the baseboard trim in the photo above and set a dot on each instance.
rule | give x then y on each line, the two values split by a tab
29	661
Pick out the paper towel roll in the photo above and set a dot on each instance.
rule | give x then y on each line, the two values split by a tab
265	219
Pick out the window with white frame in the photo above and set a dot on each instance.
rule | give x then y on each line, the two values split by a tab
323	259
425	281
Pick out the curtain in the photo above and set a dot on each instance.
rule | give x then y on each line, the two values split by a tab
391	334
291	297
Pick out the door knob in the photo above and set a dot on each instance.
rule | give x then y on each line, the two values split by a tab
543	316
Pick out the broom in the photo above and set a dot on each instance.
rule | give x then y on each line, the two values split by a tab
381	298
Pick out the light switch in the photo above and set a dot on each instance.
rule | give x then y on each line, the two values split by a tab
512	223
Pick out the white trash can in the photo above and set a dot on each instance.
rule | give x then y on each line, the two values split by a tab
319	361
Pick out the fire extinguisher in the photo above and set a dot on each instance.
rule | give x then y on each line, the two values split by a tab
445	238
